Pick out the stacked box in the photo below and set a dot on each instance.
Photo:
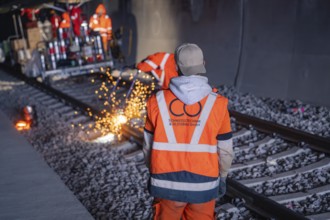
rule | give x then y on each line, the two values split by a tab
34	37
18	44
22	56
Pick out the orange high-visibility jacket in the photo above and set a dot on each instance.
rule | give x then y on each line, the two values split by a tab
66	22
184	159
101	24
162	66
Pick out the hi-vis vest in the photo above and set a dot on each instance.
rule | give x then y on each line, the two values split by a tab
102	24
184	158
162	66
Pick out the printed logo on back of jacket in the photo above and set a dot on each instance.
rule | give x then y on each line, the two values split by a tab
184	122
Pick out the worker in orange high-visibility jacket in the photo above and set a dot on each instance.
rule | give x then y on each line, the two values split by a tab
66	21
187	142
162	66
65	25
101	22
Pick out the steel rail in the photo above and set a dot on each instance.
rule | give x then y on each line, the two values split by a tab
316	142
260	203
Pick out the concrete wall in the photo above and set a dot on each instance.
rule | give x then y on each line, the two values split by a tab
271	48
277	48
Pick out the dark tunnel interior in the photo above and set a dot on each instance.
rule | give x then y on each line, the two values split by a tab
274	48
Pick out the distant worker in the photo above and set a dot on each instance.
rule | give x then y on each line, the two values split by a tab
65	25
55	20
66	21
75	12
30	13
162	66
100	22
188	142
29	115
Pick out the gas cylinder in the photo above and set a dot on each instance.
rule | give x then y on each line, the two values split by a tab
62	46
98	48
51	54
57	50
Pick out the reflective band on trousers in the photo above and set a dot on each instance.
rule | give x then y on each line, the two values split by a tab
198	148
185	186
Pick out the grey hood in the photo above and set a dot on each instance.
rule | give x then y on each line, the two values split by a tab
190	89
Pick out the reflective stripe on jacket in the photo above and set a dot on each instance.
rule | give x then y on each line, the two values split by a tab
101	24
162	66
184	158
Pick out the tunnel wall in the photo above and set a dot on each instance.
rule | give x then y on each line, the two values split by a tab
273	48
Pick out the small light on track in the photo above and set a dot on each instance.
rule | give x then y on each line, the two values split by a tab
22	125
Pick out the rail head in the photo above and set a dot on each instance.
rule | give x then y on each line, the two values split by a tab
316	142
261	204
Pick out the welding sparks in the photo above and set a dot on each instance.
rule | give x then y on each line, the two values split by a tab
110	123
121	119
136	103
120	108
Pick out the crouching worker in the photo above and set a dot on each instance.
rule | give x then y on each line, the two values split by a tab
188	142
162	66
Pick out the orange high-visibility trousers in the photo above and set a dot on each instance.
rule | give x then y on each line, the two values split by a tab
172	210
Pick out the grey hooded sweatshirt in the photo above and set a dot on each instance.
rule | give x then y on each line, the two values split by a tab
190	89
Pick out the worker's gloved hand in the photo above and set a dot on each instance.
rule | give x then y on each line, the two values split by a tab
222	187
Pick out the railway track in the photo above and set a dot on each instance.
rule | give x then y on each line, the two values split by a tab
289	151
256	152
64	109
289	173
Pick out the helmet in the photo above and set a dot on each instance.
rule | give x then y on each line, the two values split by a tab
100	9
66	16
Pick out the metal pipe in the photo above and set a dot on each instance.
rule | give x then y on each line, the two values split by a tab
128	94
117	81
22	32
15	24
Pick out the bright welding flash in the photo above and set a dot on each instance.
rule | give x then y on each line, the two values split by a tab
121	119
